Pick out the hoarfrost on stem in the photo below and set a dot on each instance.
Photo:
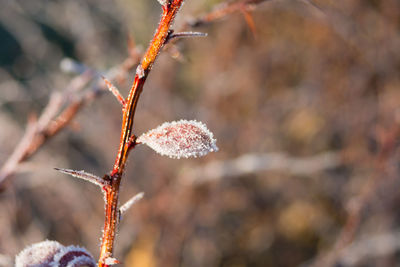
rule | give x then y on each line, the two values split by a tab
180	139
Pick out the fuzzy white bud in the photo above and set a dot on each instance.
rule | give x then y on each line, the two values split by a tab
51	253
40	254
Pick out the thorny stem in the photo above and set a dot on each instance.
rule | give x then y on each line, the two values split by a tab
34	139
112	181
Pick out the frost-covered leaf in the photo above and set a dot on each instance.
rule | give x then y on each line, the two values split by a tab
51	253
39	254
179	139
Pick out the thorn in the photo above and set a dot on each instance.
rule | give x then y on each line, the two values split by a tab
173	35
114	91
83	175
129	203
250	21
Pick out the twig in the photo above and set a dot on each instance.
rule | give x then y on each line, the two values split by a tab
125	207
55	118
35	137
176	35
169	8
20	151
114	90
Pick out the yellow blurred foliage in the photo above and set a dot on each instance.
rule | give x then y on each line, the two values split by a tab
142	252
303	125
299	219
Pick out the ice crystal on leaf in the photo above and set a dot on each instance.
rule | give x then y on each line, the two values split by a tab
180	139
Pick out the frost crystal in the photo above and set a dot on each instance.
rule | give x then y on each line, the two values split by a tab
180	139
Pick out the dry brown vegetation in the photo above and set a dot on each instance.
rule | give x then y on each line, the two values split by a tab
306	113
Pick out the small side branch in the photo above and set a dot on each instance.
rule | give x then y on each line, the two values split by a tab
114	90
169	10
124	208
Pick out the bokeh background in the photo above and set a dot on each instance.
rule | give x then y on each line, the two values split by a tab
306	113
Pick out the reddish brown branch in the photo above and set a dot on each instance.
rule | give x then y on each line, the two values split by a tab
55	117
35	137
111	190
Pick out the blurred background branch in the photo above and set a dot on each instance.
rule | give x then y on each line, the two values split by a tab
257	163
